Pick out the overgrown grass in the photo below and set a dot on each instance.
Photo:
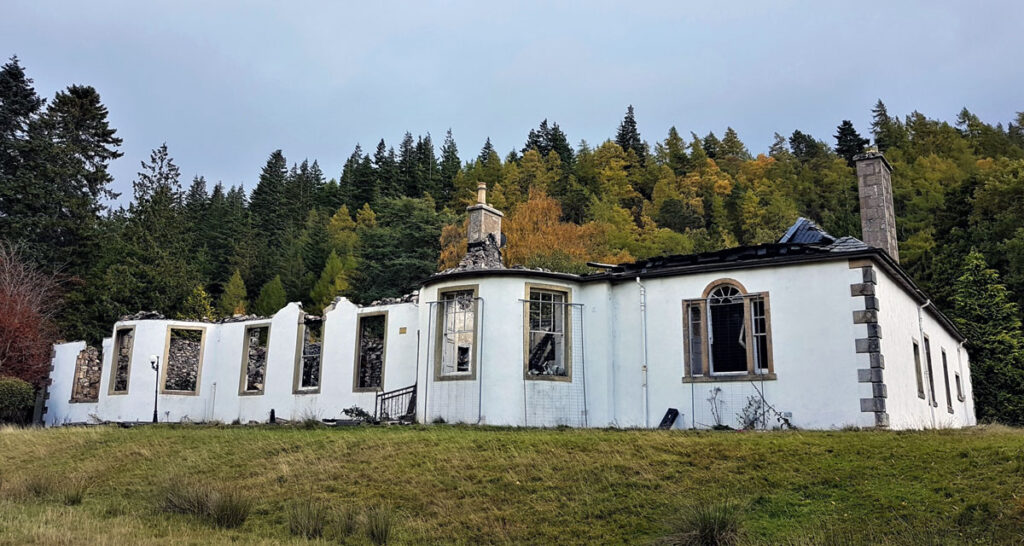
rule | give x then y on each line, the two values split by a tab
708	523
226	507
445	484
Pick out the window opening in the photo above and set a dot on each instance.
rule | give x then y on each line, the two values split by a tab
257	342
726	334
370	362
458	332
312	345
546	351
184	353
123	342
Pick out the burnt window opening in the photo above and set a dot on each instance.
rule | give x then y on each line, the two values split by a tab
88	367
546	350
728	332
945	376
257	345
124	339
917	370
456	333
371	347
184	358
310	352
931	374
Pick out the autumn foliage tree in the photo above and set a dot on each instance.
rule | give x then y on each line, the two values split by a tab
29	300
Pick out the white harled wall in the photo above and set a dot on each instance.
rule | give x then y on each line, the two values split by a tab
218	397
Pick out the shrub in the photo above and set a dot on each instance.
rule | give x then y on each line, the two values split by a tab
307	519
380	523
713	523
16	398
357	413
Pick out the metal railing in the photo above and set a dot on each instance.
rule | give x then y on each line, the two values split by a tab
396	405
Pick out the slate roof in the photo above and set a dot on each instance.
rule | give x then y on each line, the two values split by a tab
807	232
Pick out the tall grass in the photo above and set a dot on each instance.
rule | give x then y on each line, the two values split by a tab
713	523
227	508
307	519
380	523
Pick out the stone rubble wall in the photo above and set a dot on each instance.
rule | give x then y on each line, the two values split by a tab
88	367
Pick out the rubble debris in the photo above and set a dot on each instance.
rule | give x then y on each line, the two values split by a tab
483	255
87	376
257	342
144	315
123	342
411	297
239	318
371	352
312	344
183	356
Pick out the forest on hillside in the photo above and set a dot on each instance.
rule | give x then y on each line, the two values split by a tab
395	214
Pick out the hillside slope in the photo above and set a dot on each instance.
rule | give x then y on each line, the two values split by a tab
479	485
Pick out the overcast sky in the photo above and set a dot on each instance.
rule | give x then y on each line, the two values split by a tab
225	84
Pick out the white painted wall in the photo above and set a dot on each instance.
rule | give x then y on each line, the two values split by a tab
218	397
813	338
898	317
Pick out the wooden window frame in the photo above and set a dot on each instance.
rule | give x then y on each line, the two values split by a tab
567	334
300	337
701	304
167	364
945	377
113	364
383	355
243	381
919	371
439	334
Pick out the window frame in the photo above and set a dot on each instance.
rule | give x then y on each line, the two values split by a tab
300	338
702	305
918	370
945	376
959	387
243	381
439	330
166	360
931	370
383	356
113	366
566	334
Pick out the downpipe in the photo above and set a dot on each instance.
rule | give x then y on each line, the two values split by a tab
643	364
926	373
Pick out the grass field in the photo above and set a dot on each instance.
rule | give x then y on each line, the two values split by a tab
449	484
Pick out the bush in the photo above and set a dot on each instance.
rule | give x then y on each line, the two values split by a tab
16	398
307	519
380	523
713	523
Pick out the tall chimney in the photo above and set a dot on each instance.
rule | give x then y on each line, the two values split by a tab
484	220
877	214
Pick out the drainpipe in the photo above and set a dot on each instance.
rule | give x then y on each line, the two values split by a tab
643	363
924	365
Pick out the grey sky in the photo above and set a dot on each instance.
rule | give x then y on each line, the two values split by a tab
225	84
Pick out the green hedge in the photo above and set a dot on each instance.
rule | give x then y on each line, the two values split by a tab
16	398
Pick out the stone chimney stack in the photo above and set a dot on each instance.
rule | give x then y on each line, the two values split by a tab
484	220
877	214
484	249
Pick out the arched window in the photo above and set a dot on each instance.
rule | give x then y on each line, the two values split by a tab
727	332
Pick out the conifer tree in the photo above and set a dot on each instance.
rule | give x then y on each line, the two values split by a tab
711	143
332	283
672	152
849	142
271	298
888	131
628	136
197	305
449	169
233	300
386	168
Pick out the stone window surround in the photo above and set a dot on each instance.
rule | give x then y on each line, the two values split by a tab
297	387
701	304
439	333
113	362
568	332
165	362
383	356
245	359
945	377
76	396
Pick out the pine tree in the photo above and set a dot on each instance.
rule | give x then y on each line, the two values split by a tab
711	143
271	299
269	215
805	148
888	131
487	152
233	300
406	166
449	169
628	137
332	283
849	142
672	152
386	168
197	306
